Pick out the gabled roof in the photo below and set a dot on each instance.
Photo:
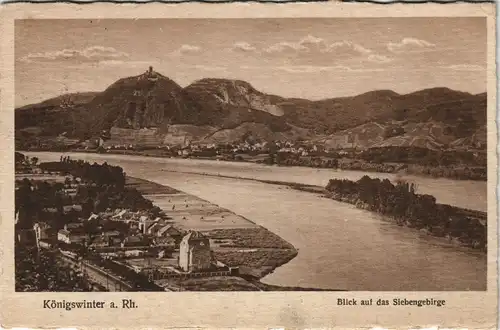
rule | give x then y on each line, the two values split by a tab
133	239
167	228
79	234
63	232
99	239
73	225
68	208
111	233
153	228
120	214
42	225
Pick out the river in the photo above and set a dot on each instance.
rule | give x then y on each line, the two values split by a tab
340	247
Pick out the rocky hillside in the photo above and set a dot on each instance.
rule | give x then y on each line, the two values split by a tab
154	108
449	119
230	103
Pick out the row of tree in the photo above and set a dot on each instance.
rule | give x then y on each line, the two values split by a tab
292	159
96	199
424	156
102	174
414	160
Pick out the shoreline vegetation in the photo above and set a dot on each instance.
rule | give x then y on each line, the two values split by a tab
456	165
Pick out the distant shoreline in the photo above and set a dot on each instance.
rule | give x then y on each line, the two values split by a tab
386	168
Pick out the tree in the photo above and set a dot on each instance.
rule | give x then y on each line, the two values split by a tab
34	161
19	157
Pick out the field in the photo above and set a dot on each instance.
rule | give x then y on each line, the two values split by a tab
258	237
256	263
257	251
190	212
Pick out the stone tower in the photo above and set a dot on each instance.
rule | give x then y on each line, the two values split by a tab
195	253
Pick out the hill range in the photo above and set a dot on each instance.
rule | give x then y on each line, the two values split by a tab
152	110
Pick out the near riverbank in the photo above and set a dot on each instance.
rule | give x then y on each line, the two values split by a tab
235	240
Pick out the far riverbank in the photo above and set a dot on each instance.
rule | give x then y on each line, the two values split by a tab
454	172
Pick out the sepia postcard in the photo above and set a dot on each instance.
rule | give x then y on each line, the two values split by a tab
308	165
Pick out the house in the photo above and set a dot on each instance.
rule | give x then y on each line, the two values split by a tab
46	236
100	241
162	254
70	191
26	236
171	231
41	230
133	253
144	223
45	244
120	215
165	242
153	229
115	241
73	225
69	237
111	234
134	241
184	153
50	210
72	208
195	253
93	216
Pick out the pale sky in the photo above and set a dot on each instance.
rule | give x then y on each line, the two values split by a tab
312	58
